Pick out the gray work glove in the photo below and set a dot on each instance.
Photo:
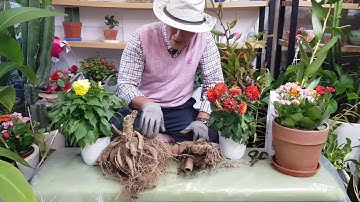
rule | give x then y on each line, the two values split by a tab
199	129
151	120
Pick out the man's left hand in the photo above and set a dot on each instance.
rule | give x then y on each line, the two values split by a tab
199	129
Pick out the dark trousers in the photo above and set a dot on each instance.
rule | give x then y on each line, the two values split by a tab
176	119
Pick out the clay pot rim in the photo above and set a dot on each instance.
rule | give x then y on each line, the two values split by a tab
294	129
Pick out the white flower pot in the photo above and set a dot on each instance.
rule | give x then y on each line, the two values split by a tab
197	96
58	142
33	160
90	153
230	149
351	131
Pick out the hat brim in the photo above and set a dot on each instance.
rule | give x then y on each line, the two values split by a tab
208	24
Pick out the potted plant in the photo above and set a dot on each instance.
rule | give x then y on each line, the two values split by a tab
15	182
97	68
233	117
17	135
110	34
72	25
82	115
59	81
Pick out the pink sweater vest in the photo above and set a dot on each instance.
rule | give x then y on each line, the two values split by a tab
166	80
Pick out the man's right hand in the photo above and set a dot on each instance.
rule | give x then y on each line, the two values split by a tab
151	120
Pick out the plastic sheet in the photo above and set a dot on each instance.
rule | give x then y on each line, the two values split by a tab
65	177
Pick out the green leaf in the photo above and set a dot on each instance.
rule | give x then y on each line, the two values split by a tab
10	48
14	186
324	50
318	10
304	55
314	113
61	83
314	83
9	66
232	24
297	117
216	32
11	17
307	123
13	156
315	65
317	27
288	122
332	106
352	96
80	131
8	97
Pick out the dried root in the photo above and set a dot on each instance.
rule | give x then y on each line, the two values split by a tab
196	155
134	161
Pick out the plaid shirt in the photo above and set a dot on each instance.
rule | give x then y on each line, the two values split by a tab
132	64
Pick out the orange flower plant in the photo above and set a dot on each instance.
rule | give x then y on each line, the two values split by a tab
232	111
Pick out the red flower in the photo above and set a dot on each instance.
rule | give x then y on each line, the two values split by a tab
73	69
67	86
54	77
104	61
235	91
230	103
330	89
220	89
242	108
320	90
252	93
6	134
211	96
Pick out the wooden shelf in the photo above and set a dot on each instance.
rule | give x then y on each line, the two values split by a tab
347	6
125	5
345	49
118	46
96	44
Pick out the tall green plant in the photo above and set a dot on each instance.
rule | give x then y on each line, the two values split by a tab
11	50
37	45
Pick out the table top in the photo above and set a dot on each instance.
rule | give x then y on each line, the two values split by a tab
65	177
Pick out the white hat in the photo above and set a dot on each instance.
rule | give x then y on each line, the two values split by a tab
186	15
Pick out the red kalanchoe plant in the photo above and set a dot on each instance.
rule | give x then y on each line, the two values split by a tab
97	68
59	81
232	111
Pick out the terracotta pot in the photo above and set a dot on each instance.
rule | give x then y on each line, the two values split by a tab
52	98
72	29
110	34
298	150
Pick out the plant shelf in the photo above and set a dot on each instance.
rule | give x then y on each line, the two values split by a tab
126	5
119	46
345	49
346	6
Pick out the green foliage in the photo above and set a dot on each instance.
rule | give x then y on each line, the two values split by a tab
97	68
72	14
12	51
334	153
111	22
85	118
14	186
233	126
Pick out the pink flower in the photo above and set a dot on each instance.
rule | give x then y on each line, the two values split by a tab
6	134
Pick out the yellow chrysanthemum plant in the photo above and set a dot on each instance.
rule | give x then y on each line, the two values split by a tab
83	114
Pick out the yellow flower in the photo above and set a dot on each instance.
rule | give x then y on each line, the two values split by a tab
294	92
99	85
81	87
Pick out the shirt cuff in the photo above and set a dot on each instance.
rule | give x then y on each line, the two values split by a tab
205	107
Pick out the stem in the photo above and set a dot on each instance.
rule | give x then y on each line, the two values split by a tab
2	140
323	30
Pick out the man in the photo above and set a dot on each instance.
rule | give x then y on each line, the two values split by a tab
158	68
